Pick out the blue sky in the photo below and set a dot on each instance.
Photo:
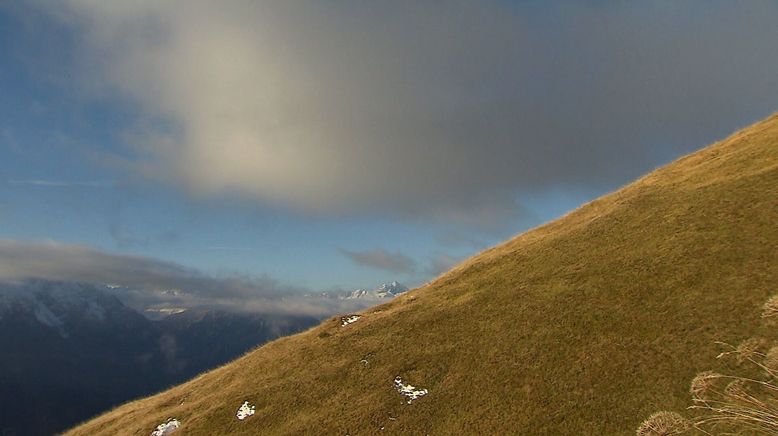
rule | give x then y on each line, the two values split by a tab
274	140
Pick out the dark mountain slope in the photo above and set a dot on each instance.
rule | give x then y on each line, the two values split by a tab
582	326
72	350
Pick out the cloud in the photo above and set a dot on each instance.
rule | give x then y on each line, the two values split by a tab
442	111
146	282
397	263
442	262
62	183
56	261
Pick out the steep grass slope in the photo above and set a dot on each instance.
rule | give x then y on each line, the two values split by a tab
583	326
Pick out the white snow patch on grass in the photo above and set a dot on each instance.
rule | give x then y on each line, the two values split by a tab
407	390
346	320
245	411
167	427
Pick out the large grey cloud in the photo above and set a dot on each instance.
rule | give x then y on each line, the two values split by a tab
146	282
442	110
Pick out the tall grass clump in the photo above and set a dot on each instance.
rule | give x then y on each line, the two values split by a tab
746	401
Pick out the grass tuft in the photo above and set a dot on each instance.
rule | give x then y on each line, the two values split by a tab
663	424
703	384
747	403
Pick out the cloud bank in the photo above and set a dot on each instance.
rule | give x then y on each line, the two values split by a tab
145	282
423	110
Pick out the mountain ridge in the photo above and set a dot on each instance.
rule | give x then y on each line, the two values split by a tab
385	290
71	350
584	325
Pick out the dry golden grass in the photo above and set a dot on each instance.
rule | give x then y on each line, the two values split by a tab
743	401
664	424
585	325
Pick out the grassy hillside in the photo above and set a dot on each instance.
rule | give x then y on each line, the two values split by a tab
583	326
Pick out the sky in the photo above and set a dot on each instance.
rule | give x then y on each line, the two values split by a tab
251	149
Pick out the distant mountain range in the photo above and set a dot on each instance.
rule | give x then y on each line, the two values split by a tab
384	291
73	350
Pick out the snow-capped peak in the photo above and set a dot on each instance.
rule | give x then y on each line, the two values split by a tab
54	303
390	289
386	290
358	293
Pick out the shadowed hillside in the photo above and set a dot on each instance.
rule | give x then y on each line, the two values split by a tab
583	326
71	350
